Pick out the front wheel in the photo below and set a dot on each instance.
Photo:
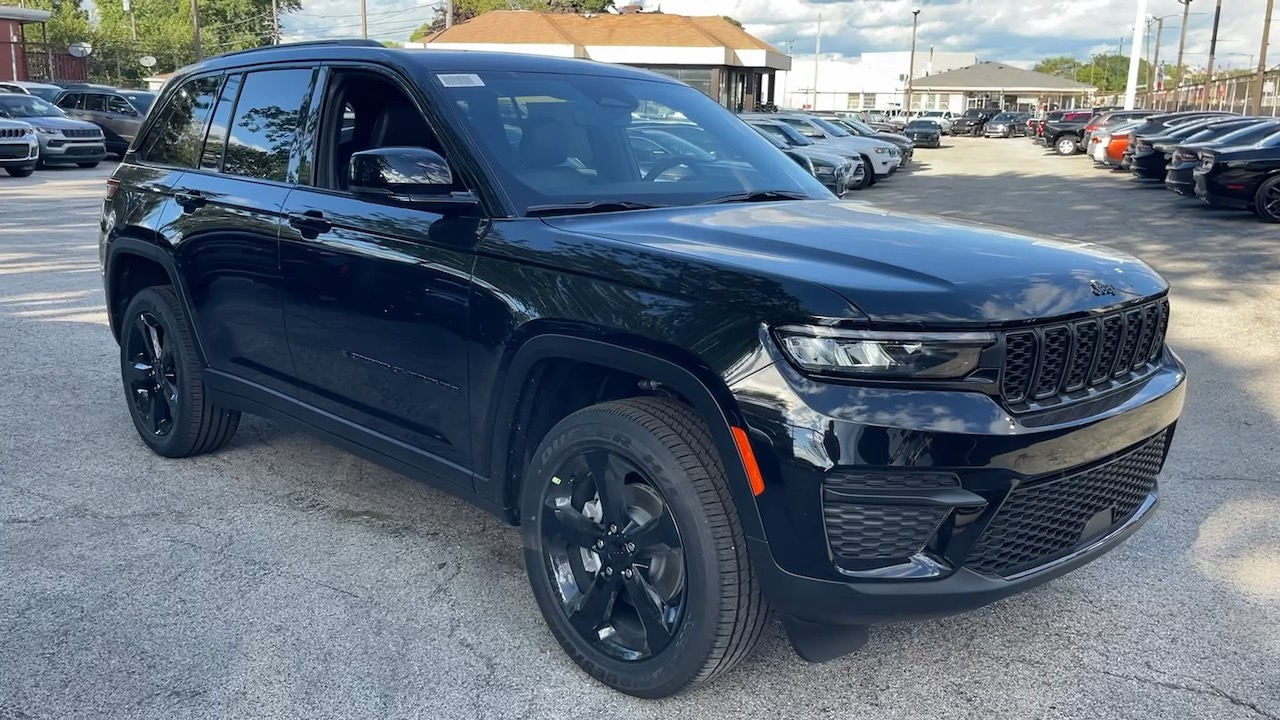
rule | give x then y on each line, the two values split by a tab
1067	145
634	548
87	165
1266	202
20	171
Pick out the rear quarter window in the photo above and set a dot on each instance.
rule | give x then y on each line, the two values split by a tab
176	136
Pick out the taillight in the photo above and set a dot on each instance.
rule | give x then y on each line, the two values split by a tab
113	184
1186	156
1206	162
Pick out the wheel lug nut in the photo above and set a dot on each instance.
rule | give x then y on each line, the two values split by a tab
608	571
629	547
613	529
627	573
599	544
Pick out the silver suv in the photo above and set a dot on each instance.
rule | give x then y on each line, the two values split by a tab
109	110
62	139
18	148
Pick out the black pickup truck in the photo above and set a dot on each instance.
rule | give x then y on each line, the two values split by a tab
973	122
1065	135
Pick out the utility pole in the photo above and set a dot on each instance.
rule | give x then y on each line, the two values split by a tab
364	20
448	14
1182	43
911	69
1213	49
1255	103
195	25
817	55
1155	58
275	22
1135	58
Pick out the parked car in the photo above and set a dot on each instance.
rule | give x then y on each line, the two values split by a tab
856	127
1180	175
1071	117
1109	145
63	140
1106	119
778	130
924	133
19	149
837	173
1064	136
1006	124
681	391
1152	153
1245	177
106	108
973	122
42	90
141	100
880	157
944	119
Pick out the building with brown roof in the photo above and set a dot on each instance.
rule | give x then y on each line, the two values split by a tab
709	53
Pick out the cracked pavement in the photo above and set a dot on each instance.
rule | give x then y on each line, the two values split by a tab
285	578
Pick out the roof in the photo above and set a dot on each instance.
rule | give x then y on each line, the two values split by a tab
524	27
996	76
25	15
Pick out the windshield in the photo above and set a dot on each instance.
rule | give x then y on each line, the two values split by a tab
1004	118
767	133
921	125
26	106
931	113
1249	135
830	128
559	139
973	112
141	101
860	126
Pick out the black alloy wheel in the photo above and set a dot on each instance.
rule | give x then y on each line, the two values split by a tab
163	379
634	550
1266	202
151	373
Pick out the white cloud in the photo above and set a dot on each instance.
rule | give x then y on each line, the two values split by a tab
1019	33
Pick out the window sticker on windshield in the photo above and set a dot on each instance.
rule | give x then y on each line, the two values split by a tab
461	80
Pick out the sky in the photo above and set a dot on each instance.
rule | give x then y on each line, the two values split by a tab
1020	32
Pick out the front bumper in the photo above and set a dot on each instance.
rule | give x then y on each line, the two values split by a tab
19	153
58	149
996	459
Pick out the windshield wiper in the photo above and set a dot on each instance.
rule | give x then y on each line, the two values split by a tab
596	206
758	196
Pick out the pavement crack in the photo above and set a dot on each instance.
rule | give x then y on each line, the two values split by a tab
266	566
1210	691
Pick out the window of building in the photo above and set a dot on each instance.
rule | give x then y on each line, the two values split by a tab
853	101
265	123
175	137
868	101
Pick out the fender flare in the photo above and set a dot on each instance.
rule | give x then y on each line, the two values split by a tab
710	398
129	244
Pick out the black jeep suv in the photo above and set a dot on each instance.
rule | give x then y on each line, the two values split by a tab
704	389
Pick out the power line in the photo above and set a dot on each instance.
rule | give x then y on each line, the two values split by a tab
356	15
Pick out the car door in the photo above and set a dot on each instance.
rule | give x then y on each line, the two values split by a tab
227	236
377	294
122	118
72	103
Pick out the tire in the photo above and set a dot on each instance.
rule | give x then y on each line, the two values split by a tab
1266	201
20	171
88	165
868	177
648	445
169	406
1066	145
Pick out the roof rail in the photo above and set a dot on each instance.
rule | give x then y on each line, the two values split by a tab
340	42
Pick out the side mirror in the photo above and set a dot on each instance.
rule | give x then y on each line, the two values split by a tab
405	174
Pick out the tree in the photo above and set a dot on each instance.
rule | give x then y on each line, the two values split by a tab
464	10
1106	72
732	21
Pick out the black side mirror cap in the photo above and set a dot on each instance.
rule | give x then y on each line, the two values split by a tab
409	175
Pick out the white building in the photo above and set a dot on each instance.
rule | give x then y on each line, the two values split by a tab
873	81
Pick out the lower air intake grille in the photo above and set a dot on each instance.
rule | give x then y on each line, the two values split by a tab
879	532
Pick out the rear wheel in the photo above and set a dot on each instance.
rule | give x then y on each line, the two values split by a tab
1067	145
1266	202
164	379
634	549
87	165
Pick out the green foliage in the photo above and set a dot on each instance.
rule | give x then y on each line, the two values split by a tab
1106	72
732	21
164	31
467	9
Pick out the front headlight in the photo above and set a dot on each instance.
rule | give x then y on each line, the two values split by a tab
887	355
882	151
824	170
48	131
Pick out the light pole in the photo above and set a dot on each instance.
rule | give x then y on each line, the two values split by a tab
1213	48
1255	103
1135	58
911	68
817	57
1182	44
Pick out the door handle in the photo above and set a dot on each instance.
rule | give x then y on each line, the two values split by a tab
310	223
190	200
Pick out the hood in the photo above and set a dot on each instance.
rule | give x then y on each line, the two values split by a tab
893	138
11	124
923	131
898	269
856	142
60	123
827	156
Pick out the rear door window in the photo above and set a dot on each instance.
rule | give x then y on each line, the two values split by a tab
71	101
120	106
95	102
265	123
176	136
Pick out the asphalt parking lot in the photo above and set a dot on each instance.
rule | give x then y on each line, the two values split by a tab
285	578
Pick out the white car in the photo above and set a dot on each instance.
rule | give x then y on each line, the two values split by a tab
882	158
19	148
44	91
